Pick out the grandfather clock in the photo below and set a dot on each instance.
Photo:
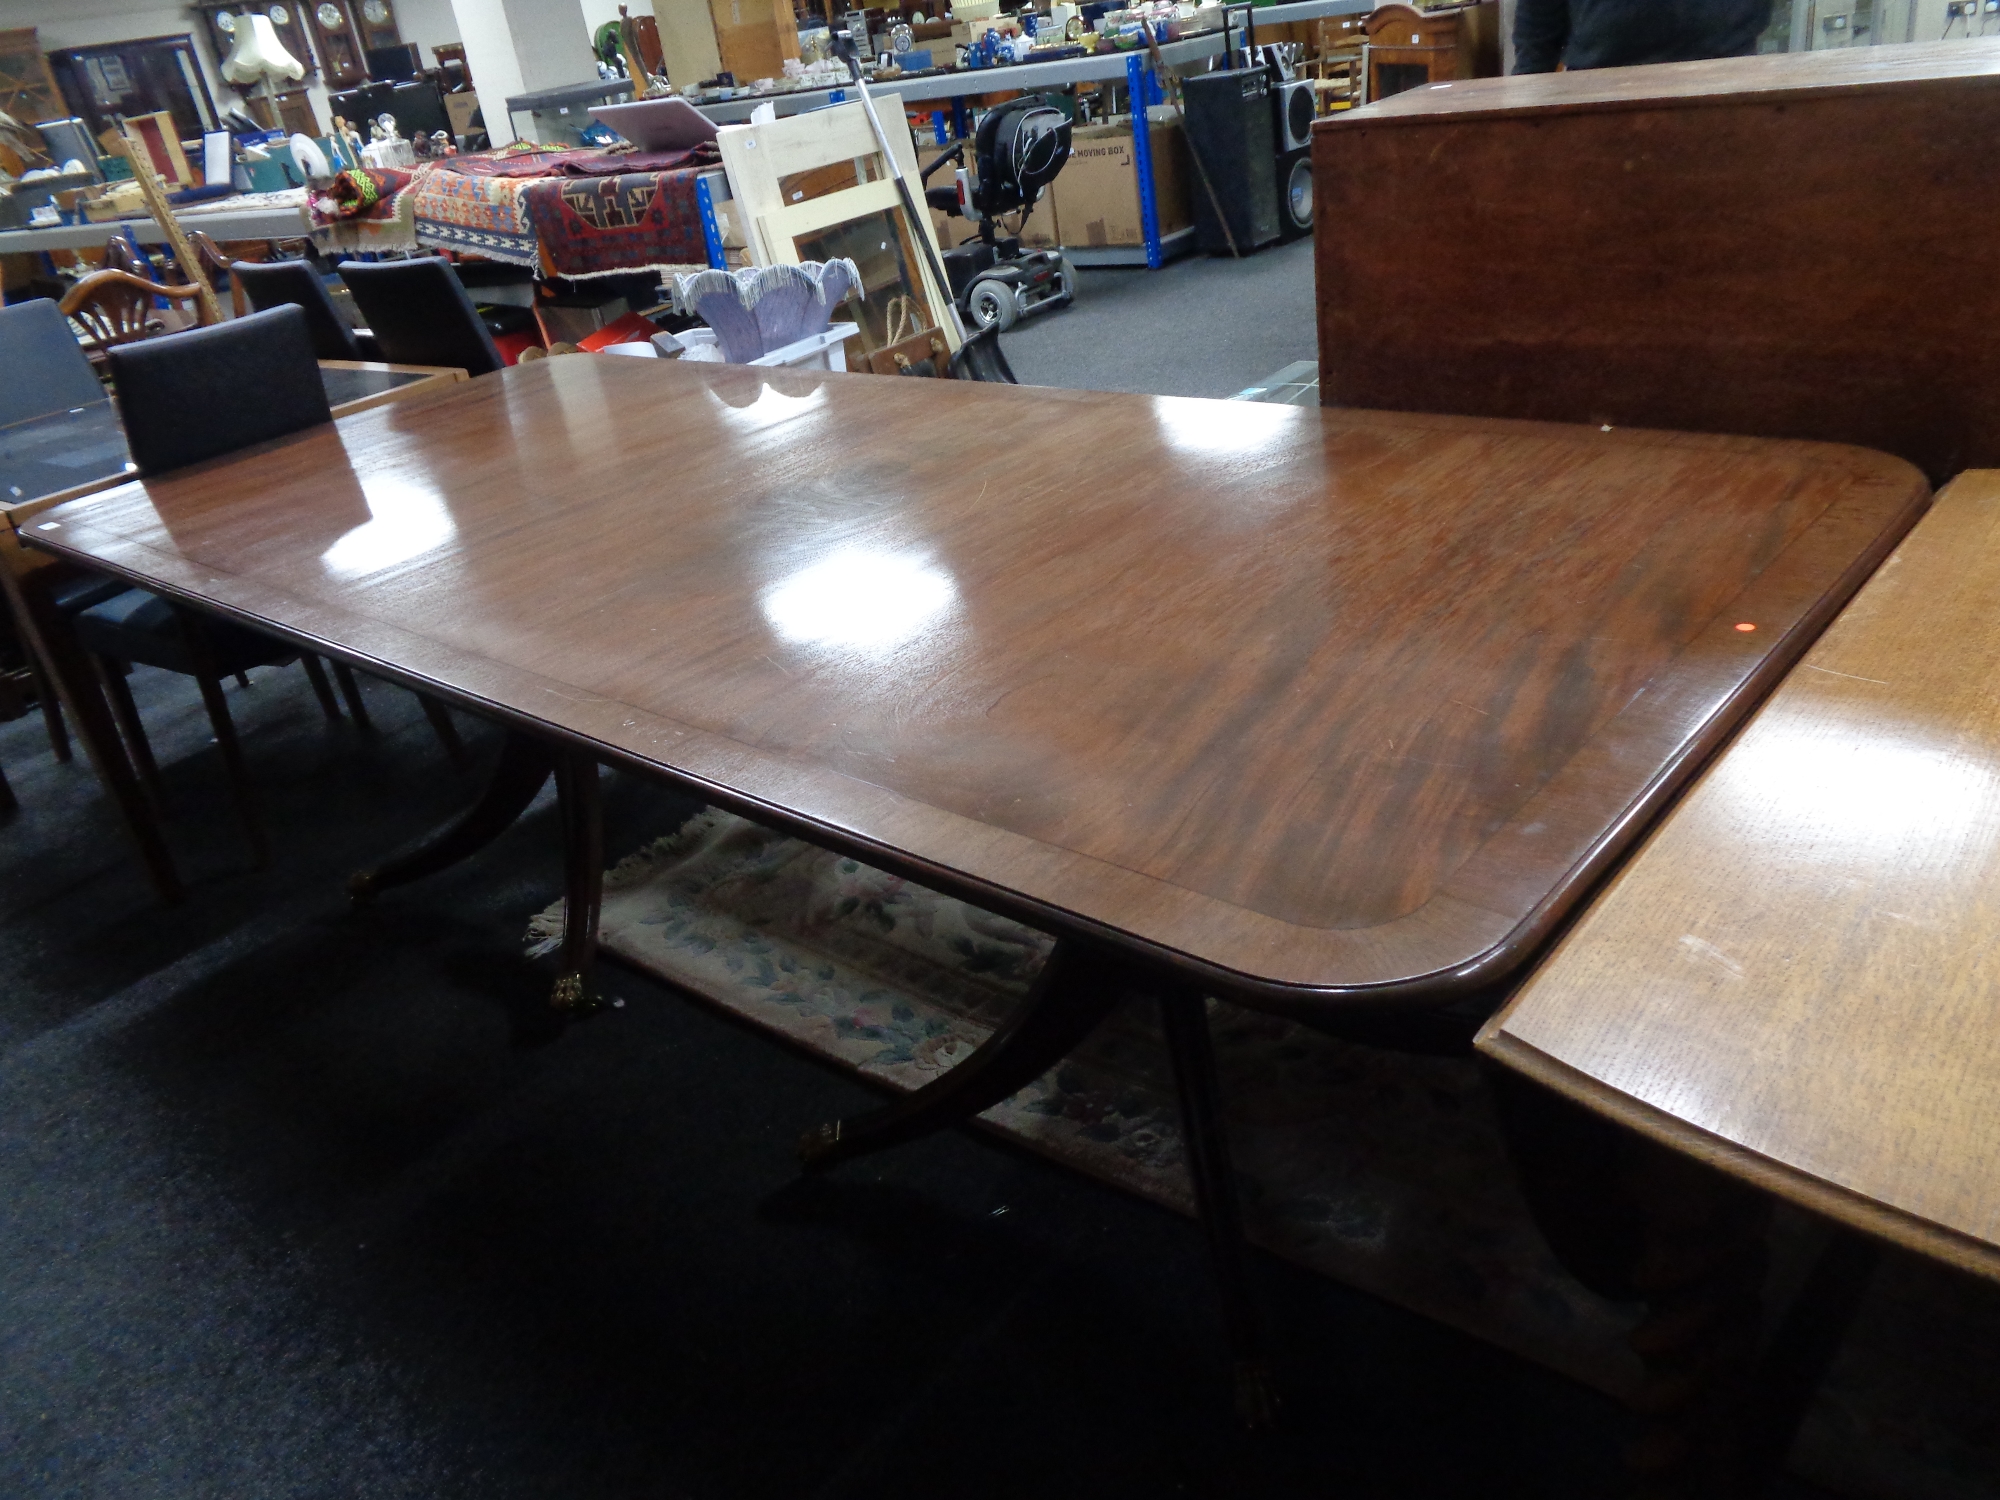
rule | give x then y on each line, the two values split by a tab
339	42
378	22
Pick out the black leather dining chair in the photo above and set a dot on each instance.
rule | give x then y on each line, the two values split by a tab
275	283
42	367
211	391
420	314
43	370
184	398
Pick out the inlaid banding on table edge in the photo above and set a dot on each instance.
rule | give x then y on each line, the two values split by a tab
1834	510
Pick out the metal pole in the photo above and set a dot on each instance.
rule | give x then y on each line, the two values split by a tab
711	227
1142	159
917	221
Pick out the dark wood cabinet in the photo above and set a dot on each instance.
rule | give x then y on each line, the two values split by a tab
1676	246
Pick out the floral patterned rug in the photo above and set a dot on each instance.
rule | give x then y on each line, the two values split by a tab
1381	1170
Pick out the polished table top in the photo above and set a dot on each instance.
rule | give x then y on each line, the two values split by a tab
1310	701
47	454
1797	976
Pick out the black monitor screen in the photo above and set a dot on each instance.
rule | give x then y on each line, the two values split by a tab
416	107
395	64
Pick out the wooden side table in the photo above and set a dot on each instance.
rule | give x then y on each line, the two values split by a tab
1792	984
1409	48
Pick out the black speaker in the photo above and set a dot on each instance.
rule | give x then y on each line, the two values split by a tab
1232	133
1294	102
1295	193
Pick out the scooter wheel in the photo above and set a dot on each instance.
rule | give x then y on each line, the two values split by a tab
993	304
1066	275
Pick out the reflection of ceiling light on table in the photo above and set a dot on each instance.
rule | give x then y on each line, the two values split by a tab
859	598
407	520
1222	429
1838	802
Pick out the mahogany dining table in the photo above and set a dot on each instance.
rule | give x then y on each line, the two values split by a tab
1337	714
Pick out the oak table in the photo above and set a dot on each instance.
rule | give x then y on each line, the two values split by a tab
1795	979
1330	713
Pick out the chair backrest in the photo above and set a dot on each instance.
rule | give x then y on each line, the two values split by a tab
276	283
116	307
120	255
213	390
42	367
421	315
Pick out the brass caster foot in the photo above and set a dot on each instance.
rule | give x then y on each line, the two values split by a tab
816	1146
569	999
361	887
1256	1395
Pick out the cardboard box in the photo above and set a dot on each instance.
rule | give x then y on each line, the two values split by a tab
755	38
459	110
1038	231
1096	199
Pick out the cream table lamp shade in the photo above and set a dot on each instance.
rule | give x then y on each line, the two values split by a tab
258	55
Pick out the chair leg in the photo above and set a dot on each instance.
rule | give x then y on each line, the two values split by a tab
351	691
8	801
446	731
209	680
67	664
51	706
118	692
322	689
243	680
232	762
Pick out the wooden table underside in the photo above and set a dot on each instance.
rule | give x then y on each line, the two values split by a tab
1319	706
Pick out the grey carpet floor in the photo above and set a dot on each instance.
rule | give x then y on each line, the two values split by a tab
1199	326
300	1201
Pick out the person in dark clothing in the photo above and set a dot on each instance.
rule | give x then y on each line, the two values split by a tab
1618	33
